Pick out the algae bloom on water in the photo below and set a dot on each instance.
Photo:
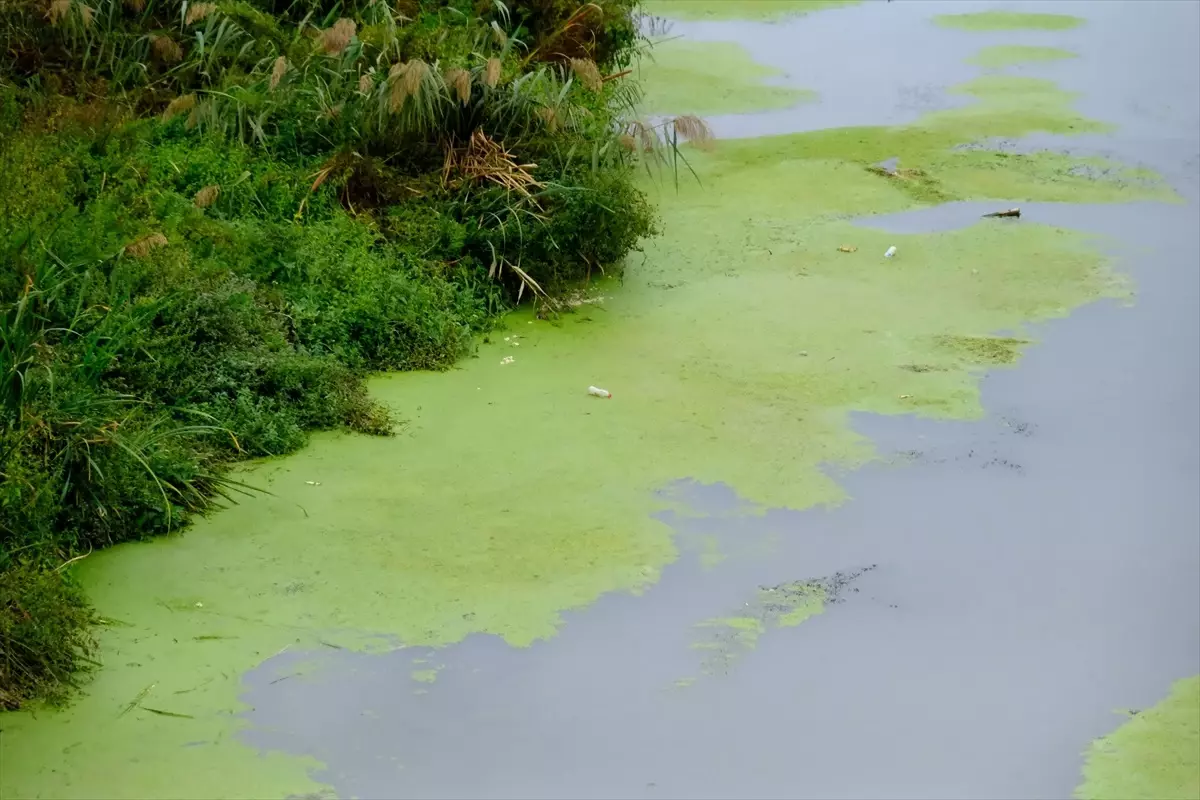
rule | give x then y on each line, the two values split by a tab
710	78
1153	756
1005	55
1008	21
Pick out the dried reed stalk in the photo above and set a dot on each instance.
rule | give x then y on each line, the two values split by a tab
459	80
694	129
405	82
166	49
207	196
142	247
278	70
197	12
336	38
491	73
549	115
185	102
485	159
58	11
588	73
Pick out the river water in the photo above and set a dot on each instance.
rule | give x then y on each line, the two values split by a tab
1013	565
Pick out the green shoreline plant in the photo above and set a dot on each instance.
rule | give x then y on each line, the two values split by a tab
216	218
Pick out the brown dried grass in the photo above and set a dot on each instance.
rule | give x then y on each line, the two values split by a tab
641	135
198	11
485	159
693	129
491	72
336	37
58	11
459	81
185	102
365	84
278	70
87	14
588	73
136	6
207	196
405	82
549	115
142	247
166	49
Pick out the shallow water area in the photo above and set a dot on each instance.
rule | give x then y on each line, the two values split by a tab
532	592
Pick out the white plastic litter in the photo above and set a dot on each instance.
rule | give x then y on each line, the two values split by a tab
891	251
596	391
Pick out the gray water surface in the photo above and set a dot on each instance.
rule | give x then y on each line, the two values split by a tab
1022	577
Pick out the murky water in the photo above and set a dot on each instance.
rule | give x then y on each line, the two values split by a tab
991	593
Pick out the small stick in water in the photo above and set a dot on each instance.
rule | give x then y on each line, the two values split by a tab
1012	212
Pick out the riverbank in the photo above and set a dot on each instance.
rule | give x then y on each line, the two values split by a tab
215	227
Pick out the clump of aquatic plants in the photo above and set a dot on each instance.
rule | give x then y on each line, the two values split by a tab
216	218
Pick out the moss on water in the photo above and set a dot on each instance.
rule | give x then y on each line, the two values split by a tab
766	10
725	640
425	675
1008	21
1006	55
1153	756
710	78
512	495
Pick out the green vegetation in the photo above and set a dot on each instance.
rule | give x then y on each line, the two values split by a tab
1008	21
1005	55
217	218
1153	756
683	77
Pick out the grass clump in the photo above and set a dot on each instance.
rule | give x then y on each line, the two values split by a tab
217	218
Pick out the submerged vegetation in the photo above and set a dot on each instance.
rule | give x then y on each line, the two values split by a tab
217	218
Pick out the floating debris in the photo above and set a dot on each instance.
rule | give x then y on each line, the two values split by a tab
847	248
506	360
1012	212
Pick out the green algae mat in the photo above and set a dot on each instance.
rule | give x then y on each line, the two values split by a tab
1008	21
1153	756
734	351
1004	55
684	77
